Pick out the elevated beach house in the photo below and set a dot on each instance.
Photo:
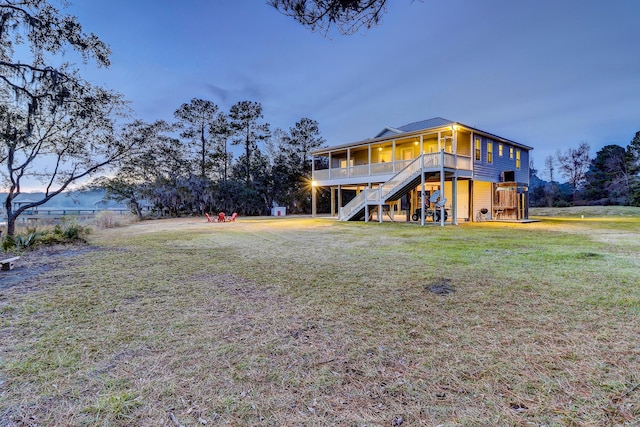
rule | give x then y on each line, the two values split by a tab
433	170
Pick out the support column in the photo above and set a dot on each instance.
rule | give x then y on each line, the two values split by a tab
442	187
454	202
313	200
422	204
393	156
380	203
339	198
333	201
366	206
454	143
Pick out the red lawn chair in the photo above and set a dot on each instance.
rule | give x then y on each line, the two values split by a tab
221	217
233	217
209	219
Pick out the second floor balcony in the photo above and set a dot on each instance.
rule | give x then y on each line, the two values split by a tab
384	170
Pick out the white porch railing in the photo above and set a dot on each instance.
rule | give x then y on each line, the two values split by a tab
381	168
359	170
431	160
321	175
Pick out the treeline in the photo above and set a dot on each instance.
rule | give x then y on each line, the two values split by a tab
612	177
188	168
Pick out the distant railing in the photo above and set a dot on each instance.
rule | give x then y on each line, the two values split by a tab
58	213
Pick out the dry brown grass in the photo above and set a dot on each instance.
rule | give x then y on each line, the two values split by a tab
299	321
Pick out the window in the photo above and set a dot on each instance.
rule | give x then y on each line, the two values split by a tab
489	152
500	150
478	149
511	152
518	159
385	157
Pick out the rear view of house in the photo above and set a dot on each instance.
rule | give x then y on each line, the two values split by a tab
432	170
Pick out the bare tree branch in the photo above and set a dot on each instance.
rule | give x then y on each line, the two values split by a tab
347	16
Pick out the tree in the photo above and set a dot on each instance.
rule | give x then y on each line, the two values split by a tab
46	30
549	165
60	146
244	121
195	120
291	164
608	177
55	127
254	199
633	164
550	191
302	138
574	163
348	16
633	154
221	132
158	158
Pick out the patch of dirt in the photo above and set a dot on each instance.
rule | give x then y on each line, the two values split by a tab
441	287
33	263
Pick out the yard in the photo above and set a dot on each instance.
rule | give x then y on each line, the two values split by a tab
297	321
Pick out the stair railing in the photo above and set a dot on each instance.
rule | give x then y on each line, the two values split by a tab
402	177
355	204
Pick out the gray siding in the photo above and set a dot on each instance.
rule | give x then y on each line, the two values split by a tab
485	171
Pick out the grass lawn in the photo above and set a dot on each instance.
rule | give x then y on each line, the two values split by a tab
313	322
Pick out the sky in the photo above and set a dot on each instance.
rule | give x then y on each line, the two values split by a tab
549	74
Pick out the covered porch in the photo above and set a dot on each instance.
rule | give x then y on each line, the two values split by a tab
379	159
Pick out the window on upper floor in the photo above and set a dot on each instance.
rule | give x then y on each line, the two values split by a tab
478	149
500	148
489	152
518	159
511	152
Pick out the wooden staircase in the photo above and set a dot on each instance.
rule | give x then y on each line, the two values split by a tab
395	188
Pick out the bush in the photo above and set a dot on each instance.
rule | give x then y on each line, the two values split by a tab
20	242
9	242
68	231
561	204
106	219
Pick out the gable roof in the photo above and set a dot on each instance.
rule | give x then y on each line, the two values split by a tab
422	125
435	122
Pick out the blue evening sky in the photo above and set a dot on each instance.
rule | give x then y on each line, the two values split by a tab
547	73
